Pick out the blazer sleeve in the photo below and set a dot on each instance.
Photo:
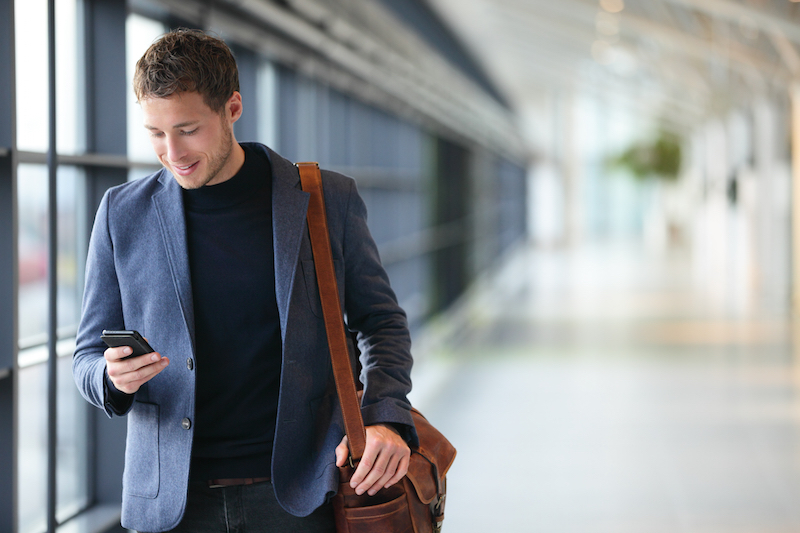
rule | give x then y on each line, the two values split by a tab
101	309
381	325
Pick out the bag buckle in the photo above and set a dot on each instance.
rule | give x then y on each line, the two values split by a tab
439	506
438	514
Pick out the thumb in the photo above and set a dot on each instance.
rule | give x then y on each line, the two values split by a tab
342	451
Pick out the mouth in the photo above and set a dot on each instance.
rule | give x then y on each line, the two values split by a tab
184	170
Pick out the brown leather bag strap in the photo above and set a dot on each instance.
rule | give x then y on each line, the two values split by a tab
311	181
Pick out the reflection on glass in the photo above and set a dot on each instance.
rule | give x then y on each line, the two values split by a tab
30	17
140	32
32	449
32	249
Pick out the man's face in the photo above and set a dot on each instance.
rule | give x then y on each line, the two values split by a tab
191	140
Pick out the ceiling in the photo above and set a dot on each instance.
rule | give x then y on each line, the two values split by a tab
678	60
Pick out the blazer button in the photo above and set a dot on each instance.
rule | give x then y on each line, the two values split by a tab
189	364
186	423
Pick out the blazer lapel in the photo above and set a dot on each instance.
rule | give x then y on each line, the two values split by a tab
169	207
289	206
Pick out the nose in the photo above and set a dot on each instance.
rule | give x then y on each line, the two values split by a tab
175	149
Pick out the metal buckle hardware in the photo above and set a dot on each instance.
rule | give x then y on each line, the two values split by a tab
439	504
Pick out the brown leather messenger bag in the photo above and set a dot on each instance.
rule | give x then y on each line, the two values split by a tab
416	503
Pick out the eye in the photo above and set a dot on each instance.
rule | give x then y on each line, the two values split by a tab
156	134
192	132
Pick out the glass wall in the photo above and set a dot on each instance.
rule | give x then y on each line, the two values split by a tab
72	415
395	161
32	261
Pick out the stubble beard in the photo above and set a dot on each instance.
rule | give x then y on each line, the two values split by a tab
217	161
220	158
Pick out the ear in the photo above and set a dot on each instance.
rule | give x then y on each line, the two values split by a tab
233	107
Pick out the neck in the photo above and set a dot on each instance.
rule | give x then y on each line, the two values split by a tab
232	166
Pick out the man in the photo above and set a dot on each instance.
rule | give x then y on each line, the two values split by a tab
233	422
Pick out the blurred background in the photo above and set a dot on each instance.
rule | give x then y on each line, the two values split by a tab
584	206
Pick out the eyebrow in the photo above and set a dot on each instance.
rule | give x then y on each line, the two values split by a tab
176	126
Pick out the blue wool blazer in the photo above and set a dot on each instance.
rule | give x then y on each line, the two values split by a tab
137	277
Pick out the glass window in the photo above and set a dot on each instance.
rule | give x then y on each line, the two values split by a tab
72	452
32	77
32	250
72	221
72	416
30	17
140	32
32	449
70	108
72	457
72	246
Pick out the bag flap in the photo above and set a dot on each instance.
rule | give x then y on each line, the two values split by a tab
430	462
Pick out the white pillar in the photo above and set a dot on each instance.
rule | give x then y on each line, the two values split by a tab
795	128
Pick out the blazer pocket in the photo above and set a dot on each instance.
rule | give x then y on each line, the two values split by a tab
312	289
141	474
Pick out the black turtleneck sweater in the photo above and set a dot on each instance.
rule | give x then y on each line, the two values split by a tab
238	342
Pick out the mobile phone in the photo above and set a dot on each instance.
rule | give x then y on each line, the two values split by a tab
130	338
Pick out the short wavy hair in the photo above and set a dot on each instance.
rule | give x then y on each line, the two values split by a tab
186	60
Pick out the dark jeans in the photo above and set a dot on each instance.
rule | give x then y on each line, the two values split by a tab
246	509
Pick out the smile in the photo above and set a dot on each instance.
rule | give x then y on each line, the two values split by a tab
185	170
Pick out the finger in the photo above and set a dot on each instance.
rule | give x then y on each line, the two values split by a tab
342	451
381	445
391	468
129	382
402	470
370	482
139	373
365	466
117	353
118	367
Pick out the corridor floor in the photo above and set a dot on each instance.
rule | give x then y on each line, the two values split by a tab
606	391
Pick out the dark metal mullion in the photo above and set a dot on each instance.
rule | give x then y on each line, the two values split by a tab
52	278
90	85
8	276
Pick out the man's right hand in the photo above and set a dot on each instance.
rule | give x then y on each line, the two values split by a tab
128	375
